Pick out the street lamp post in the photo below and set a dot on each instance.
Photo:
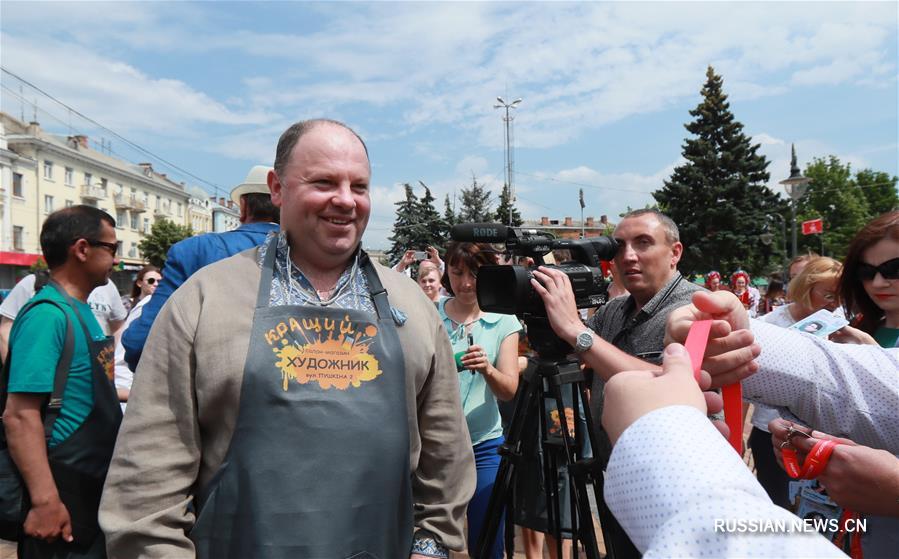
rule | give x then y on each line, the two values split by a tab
783	234
508	155
795	186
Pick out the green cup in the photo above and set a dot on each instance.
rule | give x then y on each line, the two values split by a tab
459	354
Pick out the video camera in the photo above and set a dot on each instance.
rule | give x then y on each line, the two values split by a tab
508	290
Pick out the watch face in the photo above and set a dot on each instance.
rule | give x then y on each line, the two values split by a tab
584	341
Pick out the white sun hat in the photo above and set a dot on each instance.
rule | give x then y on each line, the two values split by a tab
255	183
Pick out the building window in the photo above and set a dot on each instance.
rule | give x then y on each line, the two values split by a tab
179	209
48	170
158	201
134	221
119	188
120	219
69	203
88	179
146	225
103	184
17	234
48	204
120	251
132	252
17	185
70	176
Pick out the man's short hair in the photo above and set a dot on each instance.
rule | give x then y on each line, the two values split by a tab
260	208
292	135
672	234
63	227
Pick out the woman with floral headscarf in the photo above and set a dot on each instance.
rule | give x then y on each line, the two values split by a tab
748	295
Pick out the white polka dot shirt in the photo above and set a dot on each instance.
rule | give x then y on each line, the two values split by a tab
845	390
673	478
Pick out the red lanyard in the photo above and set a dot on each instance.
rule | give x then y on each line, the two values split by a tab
815	462
697	339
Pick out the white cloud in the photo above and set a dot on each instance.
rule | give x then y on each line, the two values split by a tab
577	66
126	98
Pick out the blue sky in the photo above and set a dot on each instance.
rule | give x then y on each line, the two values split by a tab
606	87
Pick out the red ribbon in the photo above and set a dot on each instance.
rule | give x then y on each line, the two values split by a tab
697	339
814	464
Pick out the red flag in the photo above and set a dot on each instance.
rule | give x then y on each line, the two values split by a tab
813	226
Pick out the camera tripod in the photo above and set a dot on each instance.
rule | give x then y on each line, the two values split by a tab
544	379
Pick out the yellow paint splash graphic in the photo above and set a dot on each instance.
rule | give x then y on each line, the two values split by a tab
331	363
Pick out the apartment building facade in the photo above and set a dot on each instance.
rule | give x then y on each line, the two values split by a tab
43	172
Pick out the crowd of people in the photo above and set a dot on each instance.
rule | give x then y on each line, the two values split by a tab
288	396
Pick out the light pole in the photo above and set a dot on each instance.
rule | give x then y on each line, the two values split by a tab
783	233
795	187
509	157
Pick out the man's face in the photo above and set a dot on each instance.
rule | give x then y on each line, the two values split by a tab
645	260
100	260
323	196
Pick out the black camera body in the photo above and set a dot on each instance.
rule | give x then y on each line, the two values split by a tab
508	290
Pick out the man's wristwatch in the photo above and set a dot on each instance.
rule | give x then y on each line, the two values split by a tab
584	341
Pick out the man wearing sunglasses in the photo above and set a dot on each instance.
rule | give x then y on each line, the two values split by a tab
64	469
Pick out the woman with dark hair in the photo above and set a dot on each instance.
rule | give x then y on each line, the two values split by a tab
869	286
145	284
486	349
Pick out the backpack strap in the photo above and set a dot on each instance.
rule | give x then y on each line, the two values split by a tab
61	376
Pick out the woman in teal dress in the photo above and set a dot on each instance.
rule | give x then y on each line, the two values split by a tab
486	349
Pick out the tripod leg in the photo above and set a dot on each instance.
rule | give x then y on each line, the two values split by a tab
525	405
618	544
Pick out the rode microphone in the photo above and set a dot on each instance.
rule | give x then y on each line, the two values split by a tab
481	233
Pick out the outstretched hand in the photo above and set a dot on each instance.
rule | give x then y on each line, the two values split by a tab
630	395
731	351
856	477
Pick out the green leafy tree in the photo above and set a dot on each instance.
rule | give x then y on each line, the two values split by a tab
155	246
879	189
475	203
834	196
406	226
505	205
434	230
718	198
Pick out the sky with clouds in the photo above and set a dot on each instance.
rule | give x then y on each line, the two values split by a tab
606	87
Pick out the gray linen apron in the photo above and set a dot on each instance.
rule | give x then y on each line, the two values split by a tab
318	466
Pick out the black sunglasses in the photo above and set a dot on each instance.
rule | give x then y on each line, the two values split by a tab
113	248
150	281
889	270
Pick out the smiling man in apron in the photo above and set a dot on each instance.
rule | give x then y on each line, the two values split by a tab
295	400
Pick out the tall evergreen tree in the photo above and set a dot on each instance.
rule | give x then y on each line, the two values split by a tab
433	228
506	204
449	216
405	227
835	197
475	203
718	198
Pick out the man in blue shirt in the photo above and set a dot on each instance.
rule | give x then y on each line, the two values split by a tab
258	217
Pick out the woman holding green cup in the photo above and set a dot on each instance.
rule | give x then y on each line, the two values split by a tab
486	349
